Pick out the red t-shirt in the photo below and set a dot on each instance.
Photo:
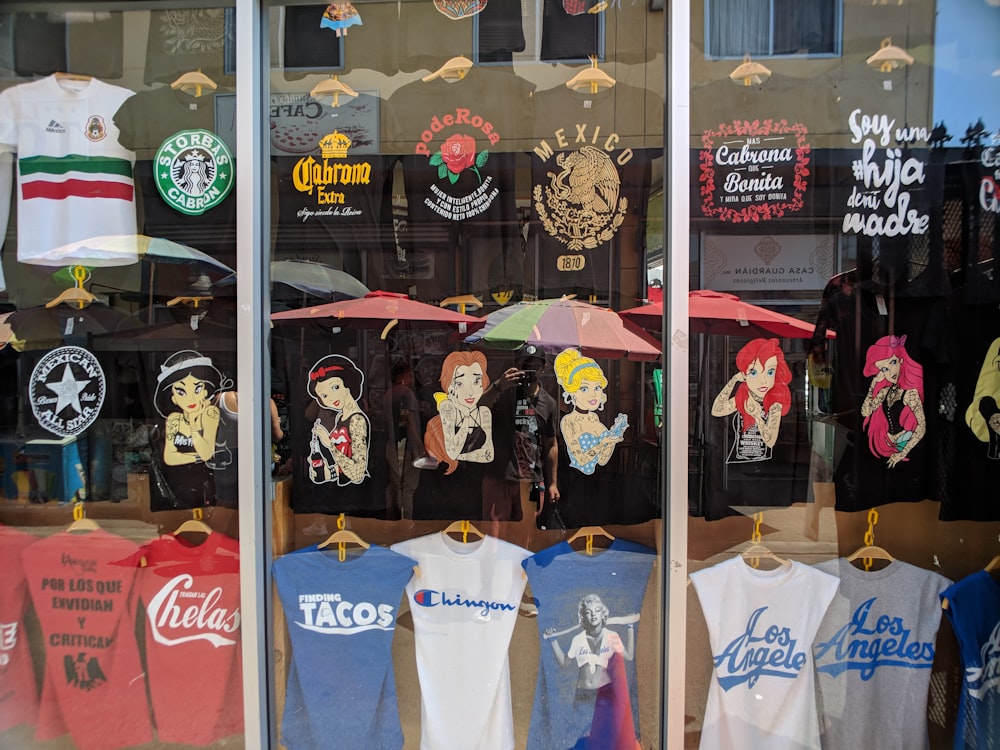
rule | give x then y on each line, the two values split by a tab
193	655
93	685
18	691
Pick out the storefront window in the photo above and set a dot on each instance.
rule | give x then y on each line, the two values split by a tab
843	227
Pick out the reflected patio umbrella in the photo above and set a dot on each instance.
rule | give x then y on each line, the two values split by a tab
48	327
558	324
725	314
126	249
315	281
383	310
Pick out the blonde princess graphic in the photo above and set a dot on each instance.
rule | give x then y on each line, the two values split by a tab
761	399
983	414
588	442
894	407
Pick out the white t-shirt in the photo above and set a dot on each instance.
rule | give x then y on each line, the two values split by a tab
464	605
761	625
74	179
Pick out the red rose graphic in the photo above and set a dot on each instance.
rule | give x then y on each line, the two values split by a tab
459	152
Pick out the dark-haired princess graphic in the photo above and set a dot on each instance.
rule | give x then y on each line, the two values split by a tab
894	407
338	448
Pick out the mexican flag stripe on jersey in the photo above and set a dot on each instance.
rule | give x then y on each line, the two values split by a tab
75	163
76	189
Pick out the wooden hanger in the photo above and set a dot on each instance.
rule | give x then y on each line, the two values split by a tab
757	550
464	528
80	520
590	532
195	524
75	294
592	78
334	87
342	537
992	564
193	82
870	551
453	70
65	76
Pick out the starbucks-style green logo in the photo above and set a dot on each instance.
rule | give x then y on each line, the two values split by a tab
193	171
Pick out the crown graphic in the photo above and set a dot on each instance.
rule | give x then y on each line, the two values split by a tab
334	145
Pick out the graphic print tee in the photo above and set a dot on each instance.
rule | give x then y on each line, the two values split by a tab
874	652
94	685
191	594
587	697
464	605
974	613
74	178
761	626
18	693
341	619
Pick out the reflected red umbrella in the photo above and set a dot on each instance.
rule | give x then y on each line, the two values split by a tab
725	314
382	310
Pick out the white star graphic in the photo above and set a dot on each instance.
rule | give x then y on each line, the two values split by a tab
68	389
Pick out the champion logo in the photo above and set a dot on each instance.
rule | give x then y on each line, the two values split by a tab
54	127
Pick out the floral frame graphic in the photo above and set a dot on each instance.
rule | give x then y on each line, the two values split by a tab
760	211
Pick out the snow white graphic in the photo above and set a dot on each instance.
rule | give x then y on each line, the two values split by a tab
588	442
338	448
894	407
761	399
983	414
599	654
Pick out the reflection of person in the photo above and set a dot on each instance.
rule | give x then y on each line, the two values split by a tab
338	451
462	429
404	444
893	409
588	442
524	431
983	414
185	394
761	399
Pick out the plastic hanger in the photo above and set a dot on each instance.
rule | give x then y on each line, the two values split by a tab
80	520
193	82
592	78
462	301
757	550
453	70
194	524
74	294
334	87
464	528
65	76
342	537
870	551
590	532
193	301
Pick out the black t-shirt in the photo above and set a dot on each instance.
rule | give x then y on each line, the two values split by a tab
522	427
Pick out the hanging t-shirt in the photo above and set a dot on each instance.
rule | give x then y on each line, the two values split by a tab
341	619
569	31
335	193
88	43
191	594
18	692
892	452
588	615
94	684
180	41
971	423
590	180
456	138
761	626
74	179
974	613
464	604
307	45
297	347
501	31
148	120
874	652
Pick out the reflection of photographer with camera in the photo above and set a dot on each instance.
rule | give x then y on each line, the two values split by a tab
525	418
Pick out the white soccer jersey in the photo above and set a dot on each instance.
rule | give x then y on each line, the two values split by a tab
74	179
